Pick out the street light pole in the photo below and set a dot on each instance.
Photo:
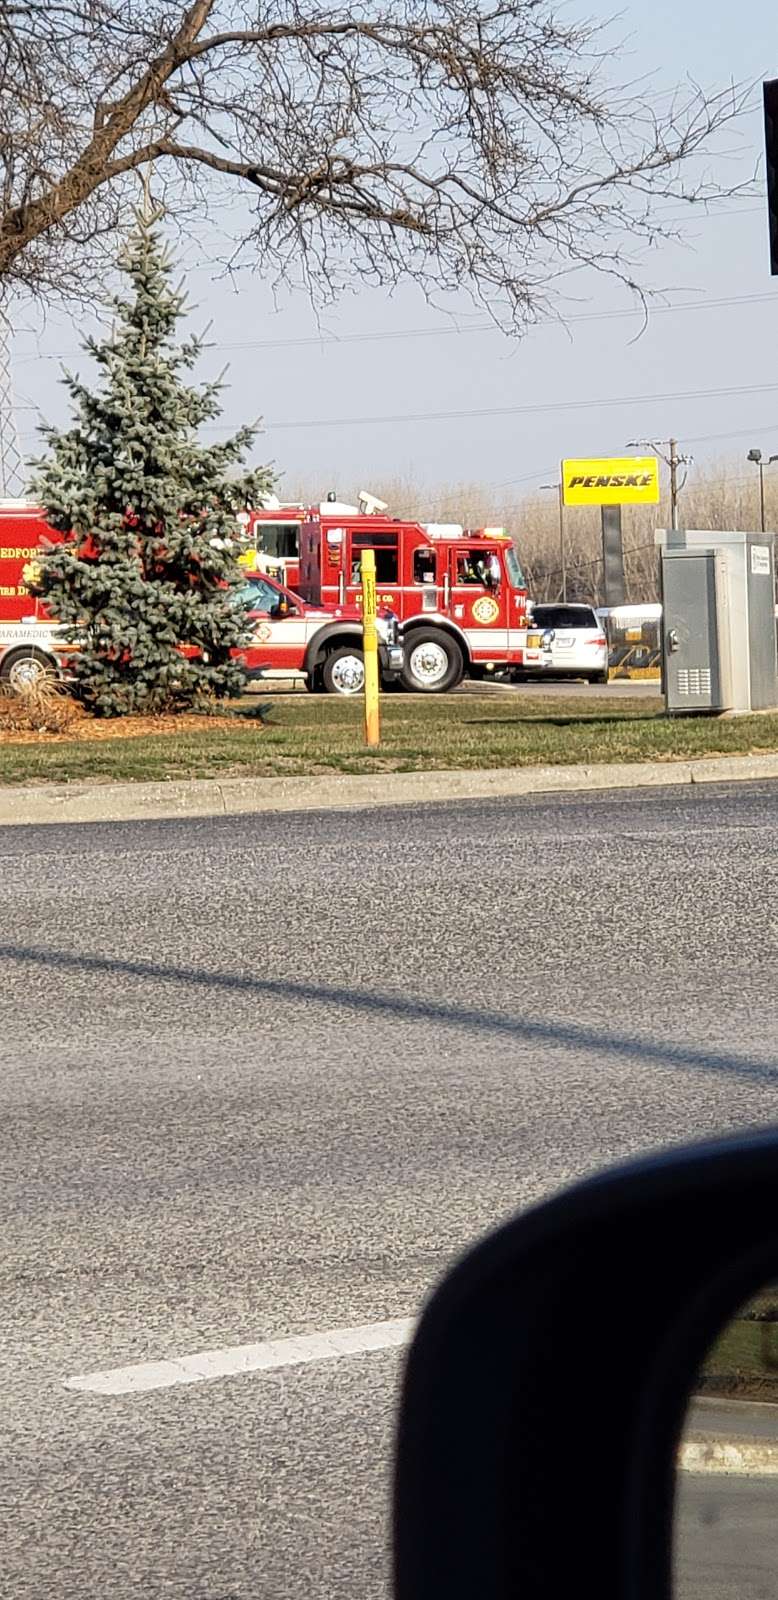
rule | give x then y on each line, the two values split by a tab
562	553
756	456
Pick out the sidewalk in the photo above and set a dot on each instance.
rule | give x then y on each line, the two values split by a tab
137	802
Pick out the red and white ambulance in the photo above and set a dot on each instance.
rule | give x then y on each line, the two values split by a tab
460	596
290	638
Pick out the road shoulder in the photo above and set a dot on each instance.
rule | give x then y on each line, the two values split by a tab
731	1457
126	802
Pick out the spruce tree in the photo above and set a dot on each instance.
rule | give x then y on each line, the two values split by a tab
148	512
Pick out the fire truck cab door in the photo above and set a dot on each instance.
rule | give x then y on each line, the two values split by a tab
385	546
480	601
278	638
430	589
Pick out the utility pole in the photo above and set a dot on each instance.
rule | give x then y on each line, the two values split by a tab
667	450
673	464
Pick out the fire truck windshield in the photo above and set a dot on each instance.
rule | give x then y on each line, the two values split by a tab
515	575
278	539
256	595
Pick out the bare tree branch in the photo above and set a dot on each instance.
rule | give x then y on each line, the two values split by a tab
464	144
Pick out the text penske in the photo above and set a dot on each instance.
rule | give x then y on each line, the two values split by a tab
613	480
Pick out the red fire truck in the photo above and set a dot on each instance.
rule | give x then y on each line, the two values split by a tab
270	534
23	528
461	597
290	639
30	646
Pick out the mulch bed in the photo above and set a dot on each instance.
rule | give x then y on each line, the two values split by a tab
98	728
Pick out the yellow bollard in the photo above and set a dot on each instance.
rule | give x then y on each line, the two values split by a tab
370	648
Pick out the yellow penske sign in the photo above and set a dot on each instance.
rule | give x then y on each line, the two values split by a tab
611	481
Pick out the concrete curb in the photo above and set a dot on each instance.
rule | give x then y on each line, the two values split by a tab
136	802
742	1458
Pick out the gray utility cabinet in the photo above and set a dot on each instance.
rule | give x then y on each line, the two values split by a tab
718	621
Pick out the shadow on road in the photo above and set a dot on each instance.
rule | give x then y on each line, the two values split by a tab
598	1042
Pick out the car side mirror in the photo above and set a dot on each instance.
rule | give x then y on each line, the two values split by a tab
546	1387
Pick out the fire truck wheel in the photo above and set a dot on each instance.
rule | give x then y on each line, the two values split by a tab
344	671
433	662
26	669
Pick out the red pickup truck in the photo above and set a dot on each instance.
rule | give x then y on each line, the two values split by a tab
323	644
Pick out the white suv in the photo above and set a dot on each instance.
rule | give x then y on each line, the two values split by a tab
577	647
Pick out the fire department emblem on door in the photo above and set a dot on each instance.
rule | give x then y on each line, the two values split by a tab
486	610
262	632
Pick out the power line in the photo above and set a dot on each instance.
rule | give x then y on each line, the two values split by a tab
468	414
695	438
691	487
389	335
596	561
534	409
734	433
543	472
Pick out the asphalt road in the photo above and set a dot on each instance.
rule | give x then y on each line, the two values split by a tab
726	1539
266	1077
555	688
569	688
752	1421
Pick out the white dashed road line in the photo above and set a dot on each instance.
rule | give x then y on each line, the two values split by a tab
698	1456
233	1360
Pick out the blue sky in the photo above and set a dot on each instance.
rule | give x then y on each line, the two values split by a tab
598	362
